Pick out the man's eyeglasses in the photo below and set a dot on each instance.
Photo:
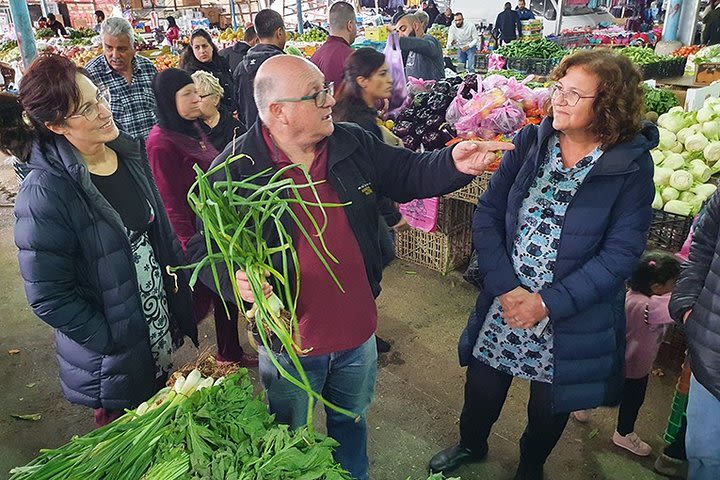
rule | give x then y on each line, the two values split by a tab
92	111
570	97
320	97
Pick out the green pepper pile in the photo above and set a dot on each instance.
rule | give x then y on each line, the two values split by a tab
538	49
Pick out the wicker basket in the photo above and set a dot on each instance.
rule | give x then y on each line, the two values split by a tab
445	249
471	192
668	231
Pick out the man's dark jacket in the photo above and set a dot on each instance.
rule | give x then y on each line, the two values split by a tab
244	76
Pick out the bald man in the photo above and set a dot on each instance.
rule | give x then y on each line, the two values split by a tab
296	127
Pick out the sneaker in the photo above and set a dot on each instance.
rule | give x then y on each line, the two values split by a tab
671	467
582	416
632	443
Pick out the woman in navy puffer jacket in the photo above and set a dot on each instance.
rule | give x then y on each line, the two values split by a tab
561	226
95	243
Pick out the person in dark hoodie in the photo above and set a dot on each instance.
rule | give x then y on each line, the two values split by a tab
202	54
507	25
94	243
270	29
235	54
561	227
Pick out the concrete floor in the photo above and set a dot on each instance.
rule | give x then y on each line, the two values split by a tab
418	399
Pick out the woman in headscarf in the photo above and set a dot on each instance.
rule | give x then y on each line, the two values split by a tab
174	146
202	54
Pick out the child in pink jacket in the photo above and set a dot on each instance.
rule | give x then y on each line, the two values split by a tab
647	317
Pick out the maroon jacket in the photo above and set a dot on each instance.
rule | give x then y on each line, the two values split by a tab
330	59
172	156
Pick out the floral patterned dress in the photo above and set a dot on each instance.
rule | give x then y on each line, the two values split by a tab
528	353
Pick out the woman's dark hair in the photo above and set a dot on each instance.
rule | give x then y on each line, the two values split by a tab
15	135
654	268
171	21
48	94
188	57
619	101
350	105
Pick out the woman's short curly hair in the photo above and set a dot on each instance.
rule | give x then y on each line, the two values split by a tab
619	102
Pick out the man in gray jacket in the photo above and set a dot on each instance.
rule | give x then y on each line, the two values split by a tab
425	55
695	303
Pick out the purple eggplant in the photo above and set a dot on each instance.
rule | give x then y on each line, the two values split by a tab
439	102
403	128
435	120
411	142
420	99
407	114
420	130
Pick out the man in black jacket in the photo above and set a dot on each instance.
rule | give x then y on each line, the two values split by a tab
236	53
507	25
296	127
694	303
270	30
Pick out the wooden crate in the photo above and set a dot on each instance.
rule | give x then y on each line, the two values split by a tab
471	192
448	247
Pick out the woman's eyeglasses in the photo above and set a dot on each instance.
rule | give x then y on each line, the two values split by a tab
92	111
570	97
320	97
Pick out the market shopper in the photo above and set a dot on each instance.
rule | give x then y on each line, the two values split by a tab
202	54
330	58
507	25
99	18
561	226
127	76
446	18
464	36
270	29
218	124
430	8
296	126
173	31
235	54
174	146
94	243
694	303
523	12
424	52
54	25
711	22
647	321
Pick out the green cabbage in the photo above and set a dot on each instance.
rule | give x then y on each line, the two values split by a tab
700	171
658	156
705	190
673	161
711	129
696	142
686	132
662	175
657	201
705	114
669	193
667	139
673	121
677	207
712	152
681	180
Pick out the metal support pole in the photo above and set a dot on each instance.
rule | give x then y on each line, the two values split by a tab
300	17
23	30
232	14
44	8
559	16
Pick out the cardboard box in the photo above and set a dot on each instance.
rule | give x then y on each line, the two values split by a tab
707	73
188	3
212	14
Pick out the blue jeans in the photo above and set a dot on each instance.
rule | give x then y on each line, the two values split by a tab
346	379
468	58
702	440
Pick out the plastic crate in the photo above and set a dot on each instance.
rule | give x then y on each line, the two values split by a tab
668	231
471	192
444	249
535	66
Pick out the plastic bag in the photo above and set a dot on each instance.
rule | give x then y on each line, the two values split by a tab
456	109
507	118
421	214
417	85
393	58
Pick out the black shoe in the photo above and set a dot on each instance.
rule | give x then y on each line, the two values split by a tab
382	345
529	472
451	458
